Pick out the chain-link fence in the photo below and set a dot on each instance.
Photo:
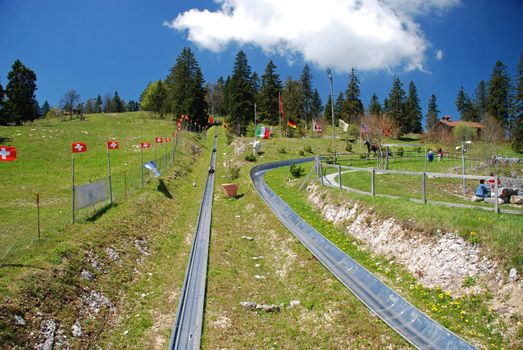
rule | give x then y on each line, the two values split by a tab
39	213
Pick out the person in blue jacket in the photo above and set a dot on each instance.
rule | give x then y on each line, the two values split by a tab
482	191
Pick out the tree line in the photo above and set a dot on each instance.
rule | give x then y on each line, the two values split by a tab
18	103
184	91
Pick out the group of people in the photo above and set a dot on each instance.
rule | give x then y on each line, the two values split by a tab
430	155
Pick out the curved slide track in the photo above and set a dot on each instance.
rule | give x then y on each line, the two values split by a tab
187	329
412	324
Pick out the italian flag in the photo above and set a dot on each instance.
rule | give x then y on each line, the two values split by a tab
263	132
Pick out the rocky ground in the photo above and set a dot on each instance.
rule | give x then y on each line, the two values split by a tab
440	259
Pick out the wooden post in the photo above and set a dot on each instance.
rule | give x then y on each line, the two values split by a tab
350	160
38	214
424	187
339	177
372	182
125	183
496	204
387	158
321	173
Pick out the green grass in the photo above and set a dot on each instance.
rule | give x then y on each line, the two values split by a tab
467	316
43	167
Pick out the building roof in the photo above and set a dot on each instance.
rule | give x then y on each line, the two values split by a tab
446	120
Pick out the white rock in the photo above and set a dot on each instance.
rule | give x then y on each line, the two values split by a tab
294	303
76	329
248	304
19	321
513	275
248	238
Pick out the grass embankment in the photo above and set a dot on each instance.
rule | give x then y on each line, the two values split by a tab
55	278
467	316
329	316
43	167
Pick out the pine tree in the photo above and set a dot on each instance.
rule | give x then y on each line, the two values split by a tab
21	104
45	109
395	106
517	130
306	87
413	110
293	98
2	93
465	106
242	94
432	113
118	103
338	107
327	109
480	100
374	106
352	106
316	106
268	104
499	100
98	104
185	88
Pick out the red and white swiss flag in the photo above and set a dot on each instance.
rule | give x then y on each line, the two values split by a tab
167	139
7	154
158	140
79	147
145	145
113	144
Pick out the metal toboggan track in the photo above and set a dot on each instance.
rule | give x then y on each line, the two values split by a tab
187	329
412	324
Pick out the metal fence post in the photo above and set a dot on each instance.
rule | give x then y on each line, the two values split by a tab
387	158
321	173
496	204
424	188
463	168
73	190
339	177
372	182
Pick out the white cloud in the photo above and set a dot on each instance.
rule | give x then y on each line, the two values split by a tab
342	34
439	55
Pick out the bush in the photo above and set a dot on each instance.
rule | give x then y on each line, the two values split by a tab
330	150
282	150
348	147
296	170
232	171
230	137
463	132
400	152
302	154
363	156
250	158
308	149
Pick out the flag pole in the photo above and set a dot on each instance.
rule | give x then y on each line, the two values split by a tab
109	175
279	110
73	187
253	149
172	150
141	149
155	161
164	153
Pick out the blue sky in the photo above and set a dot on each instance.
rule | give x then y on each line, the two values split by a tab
97	47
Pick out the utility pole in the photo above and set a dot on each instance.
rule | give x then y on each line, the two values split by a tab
332	102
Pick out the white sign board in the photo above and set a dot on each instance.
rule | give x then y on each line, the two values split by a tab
90	194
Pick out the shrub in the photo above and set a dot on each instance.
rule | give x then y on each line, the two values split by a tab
230	137
330	150
400	152
296	170
463	132
348	147
250	157
232	171
308	149
363	156
282	150
302	154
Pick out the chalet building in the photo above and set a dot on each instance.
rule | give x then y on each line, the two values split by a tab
446	125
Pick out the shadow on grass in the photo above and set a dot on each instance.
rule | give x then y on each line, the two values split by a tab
22	265
408	139
163	188
100	212
5	139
